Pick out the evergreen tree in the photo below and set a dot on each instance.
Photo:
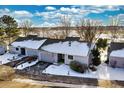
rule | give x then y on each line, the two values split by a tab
10	28
96	57
101	43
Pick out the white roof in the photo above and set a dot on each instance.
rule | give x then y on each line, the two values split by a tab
33	44
107	36
76	48
118	53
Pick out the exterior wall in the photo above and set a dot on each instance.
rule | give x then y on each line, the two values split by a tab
31	52
53	58
77	58
117	61
47	56
13	50
2	49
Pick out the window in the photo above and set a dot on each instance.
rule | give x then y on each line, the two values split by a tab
17	49
70	57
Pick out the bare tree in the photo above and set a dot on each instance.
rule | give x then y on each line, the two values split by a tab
26	25
114	27
65	23
88	29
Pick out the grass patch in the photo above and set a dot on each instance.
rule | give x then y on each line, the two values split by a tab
13	84
6	72
108	84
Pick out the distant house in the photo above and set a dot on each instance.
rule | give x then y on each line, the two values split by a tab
116	54
27	45
65	50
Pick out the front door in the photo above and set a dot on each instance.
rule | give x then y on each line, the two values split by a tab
61	58
23	51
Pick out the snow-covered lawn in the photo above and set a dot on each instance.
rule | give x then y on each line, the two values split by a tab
27	64
103	72
7	57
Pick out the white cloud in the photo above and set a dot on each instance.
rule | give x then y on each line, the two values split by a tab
4	12
101	9
19	16
121	15
46	15
16	14
50	17
112	8
71	10
22	13
50	8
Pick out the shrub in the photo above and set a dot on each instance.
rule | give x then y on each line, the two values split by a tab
77	66
92	67
96	61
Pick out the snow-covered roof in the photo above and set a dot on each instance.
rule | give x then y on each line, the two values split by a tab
117	53
33	44
107	36
75	48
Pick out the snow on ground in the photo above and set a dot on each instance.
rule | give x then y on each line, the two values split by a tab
7	57
103	72
76	48
27	64
117	53
34	44
107	36
103	55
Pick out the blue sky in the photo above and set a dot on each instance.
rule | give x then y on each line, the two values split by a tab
48	15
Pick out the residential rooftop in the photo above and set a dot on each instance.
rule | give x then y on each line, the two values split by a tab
69	45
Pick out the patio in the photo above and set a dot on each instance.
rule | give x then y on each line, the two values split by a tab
8	57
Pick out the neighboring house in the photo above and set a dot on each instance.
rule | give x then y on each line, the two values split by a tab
116	54
3	49
27	45
65	50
